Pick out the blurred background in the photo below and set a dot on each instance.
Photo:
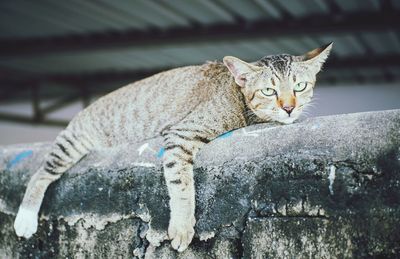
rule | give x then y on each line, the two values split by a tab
56	57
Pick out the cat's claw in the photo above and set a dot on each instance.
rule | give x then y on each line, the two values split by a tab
181	235
26	223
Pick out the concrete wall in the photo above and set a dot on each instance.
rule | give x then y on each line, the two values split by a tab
326	187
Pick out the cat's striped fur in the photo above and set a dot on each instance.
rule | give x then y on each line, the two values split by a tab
187	106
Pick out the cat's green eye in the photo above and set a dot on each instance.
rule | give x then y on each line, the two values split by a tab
300	87
268	92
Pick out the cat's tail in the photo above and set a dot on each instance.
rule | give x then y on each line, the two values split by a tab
66	151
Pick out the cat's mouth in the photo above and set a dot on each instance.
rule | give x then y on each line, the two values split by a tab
284	118
288	118
276	117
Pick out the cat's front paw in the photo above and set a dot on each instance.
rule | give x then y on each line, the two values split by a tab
181	233
26	223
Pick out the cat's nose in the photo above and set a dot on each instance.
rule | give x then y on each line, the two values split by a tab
288	109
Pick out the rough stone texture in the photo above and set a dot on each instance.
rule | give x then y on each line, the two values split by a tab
326	187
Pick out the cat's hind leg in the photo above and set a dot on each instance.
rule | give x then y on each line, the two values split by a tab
66	151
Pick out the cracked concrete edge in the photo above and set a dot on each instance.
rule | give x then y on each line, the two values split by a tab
365	167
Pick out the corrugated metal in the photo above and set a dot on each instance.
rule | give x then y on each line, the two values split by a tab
395	3
355	5
270	10
248	10
196	11
216	9
345	45
51	18
386	42
302	8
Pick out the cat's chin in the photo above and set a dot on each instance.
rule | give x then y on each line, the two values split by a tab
288	120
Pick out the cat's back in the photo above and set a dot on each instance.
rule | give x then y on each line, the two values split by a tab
142	109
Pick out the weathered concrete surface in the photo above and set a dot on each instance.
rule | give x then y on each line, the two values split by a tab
326	187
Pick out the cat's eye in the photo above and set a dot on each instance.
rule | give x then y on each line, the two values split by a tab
268	92
300	87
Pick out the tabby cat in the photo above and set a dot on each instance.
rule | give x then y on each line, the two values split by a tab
188	107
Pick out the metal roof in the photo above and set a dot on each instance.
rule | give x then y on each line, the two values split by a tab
62	47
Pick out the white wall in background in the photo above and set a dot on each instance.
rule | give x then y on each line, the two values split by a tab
14	133
328	100
350	98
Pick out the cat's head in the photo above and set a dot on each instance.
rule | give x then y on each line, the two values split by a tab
278	87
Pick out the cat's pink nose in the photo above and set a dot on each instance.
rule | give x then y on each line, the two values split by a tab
288	109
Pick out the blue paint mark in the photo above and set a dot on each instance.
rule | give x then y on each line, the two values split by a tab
161	153
19	157
226	134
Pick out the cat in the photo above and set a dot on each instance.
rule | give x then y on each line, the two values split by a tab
188	107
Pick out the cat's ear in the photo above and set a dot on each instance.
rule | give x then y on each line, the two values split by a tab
239	69
317	57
